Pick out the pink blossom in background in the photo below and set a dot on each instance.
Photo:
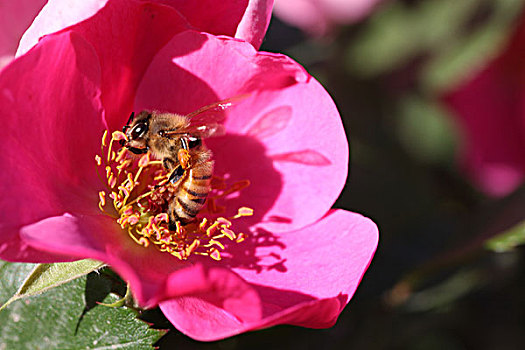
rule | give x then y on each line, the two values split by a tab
301	262
318	17
489	110
15	18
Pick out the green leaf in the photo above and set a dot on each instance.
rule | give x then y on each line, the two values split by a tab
61	318
507	240
47	276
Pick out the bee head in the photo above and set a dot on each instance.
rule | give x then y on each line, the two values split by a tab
135	131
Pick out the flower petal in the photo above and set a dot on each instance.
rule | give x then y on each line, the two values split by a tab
334	251
255	21
153	276
117	31
319	16
305	279
216	288
52	121
287	138
57	15
15	18
489	108
99	237
243	19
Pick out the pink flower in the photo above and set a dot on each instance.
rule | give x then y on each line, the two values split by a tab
300	261
318	17
489	109
15	18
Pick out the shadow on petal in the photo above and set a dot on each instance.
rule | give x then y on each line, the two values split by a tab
238	158
246	255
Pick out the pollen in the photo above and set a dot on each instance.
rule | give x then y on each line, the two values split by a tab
137	195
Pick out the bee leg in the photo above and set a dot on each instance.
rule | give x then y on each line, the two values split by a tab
172	226
176	174
168	164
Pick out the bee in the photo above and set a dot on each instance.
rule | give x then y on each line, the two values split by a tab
177	140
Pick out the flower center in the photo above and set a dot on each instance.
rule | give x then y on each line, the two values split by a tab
141	193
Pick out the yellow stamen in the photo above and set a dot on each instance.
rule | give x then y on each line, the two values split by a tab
243	211
104	138
112	180
215	254
228	233
102	197
144	241
141	195
224	222
144	160
118	135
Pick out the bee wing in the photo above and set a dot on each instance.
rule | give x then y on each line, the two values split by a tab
209	130
204	131
208	121
211	114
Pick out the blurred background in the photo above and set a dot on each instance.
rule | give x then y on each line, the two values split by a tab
430	93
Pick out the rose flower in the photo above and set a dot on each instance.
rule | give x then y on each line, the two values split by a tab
265	249
488	107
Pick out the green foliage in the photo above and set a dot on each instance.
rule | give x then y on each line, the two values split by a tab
399	32
507	240
426	131
447	33
467	53
47	276
445	293
68	317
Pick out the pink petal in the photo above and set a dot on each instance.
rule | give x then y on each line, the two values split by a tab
305	278
57	15
15	18
490	111
116	30
347	11
255	21
334	252
306	124
243	19
52	121
319	16
5	60
218	287
100	237
153	275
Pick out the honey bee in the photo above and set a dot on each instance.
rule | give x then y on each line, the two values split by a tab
177	140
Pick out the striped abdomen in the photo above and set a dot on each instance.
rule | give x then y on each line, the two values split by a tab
191	193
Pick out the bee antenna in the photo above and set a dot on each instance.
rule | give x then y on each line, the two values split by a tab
131	117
